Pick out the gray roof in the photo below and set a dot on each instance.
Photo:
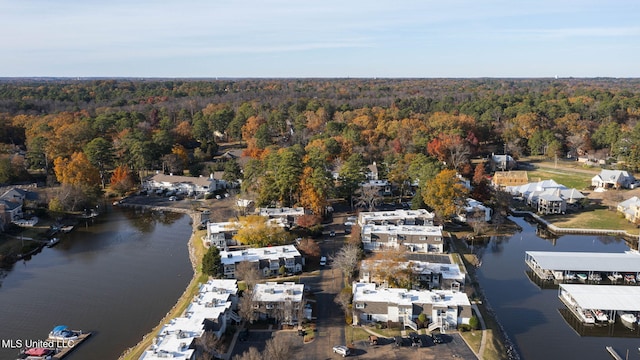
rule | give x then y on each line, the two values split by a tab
587	261
604	297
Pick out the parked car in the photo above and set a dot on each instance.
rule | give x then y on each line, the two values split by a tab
332	233
415	339
399	341
323	261
341	350
173	198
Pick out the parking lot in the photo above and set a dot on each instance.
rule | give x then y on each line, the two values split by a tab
453	347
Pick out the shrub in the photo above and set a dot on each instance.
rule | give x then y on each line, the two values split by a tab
473	322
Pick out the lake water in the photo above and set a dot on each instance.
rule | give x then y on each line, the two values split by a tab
116	277
532	316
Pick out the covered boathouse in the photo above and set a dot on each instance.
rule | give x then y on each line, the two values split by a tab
614	268
605	303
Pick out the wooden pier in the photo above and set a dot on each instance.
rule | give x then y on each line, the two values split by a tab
70	345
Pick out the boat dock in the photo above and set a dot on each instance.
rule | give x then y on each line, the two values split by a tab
600	302
586	267
70	345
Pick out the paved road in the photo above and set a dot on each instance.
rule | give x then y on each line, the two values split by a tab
330	318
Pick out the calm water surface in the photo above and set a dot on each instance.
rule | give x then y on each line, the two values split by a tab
530	314
116	277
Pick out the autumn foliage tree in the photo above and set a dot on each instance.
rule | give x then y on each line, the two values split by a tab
255	230
121	180
445	194
77	172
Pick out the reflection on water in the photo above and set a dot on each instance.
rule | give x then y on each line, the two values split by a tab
116	276
615	329
528	312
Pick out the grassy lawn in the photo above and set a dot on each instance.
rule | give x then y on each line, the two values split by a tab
473	339
565	177
593	218
182	303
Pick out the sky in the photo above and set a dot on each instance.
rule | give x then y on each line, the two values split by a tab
325	39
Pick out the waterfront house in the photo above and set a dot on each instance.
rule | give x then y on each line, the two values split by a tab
546	196
630	208
444	308
280	301
220	234
267	259
421	274
418	238
211	310
474	211
613	179
187	184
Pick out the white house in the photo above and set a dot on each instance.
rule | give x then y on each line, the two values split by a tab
280	301
212	308
187	184
267	259
426	239
474	210
444	308
428	274
396	217
630	208
613	179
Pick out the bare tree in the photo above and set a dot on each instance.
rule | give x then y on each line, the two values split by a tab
309	248
251	354
248	272
209	345
246	307
343	299
368	197
279	348
347	259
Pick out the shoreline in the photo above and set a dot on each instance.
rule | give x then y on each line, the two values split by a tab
138	349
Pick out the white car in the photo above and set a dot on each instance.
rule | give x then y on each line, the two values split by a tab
342	350
349	223
323	261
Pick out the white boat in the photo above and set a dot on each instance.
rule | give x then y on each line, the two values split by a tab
587	316
62	333
628	319
595	277
600	315
52	242
629	278
66	229
582	276
570	276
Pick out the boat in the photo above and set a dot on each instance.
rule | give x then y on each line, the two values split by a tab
570	276
52	242
614	277
582	276
587	316
37	353
62	332
629	278
595	277
600	315
628	319
66	229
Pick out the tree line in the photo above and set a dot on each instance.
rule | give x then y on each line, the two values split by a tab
308	139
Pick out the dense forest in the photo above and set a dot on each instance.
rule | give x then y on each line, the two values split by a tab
93	134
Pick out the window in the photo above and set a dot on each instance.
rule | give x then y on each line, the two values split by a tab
269	306
359	305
